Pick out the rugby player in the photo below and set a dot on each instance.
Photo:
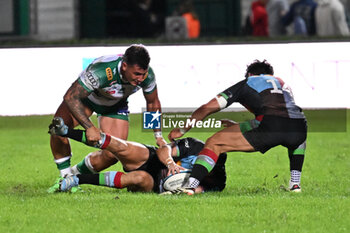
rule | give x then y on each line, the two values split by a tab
104	87
144	168
278	121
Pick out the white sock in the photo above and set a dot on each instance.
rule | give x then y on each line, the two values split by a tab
75	170
192	183
66	172
88	164
295	176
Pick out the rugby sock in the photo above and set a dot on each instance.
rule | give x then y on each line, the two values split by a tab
295	176
63	165
205	162
77	135
75	170
109	179
296	157
80	136
296	161
88	179
84	167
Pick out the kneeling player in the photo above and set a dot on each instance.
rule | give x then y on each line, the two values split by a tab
145	168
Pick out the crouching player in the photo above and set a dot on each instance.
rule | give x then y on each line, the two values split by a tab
145	166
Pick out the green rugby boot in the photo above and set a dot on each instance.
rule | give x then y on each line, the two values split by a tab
56	187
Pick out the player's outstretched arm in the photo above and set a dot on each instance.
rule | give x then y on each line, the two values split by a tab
198	115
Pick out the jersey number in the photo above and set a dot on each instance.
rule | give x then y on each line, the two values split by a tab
275	89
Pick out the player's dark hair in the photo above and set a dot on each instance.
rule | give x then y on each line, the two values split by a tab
259	67
137	54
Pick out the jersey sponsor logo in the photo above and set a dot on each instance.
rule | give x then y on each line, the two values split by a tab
186	144
90	79
151	120
110	92
109	73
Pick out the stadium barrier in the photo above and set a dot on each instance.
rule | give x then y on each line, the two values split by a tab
34	80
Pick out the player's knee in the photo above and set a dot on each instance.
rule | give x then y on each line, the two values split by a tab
108	156
140	178
143	181
140	186
212	143
101	160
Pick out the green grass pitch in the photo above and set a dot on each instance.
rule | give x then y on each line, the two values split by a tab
254	200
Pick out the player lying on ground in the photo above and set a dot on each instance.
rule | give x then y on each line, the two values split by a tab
278	121
144	169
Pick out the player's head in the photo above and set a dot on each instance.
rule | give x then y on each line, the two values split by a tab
259	67
135	64
137	54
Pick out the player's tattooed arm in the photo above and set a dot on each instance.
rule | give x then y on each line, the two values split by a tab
73	98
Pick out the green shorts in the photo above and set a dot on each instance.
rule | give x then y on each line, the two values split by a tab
118	111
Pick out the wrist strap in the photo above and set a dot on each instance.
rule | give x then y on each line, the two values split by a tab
169	161
158	134
183	131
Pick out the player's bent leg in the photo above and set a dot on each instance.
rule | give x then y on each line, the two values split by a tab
228	139
100	160
60	146
296	161
110	179
114	147
114	127
138	181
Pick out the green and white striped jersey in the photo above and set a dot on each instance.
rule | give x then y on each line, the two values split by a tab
103	80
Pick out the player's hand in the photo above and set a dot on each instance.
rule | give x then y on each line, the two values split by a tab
175	133
93	135
227	123
161	141
173	168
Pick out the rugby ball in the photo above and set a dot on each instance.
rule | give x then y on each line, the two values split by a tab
176	181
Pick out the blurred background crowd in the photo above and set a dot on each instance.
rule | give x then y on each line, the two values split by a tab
47	20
